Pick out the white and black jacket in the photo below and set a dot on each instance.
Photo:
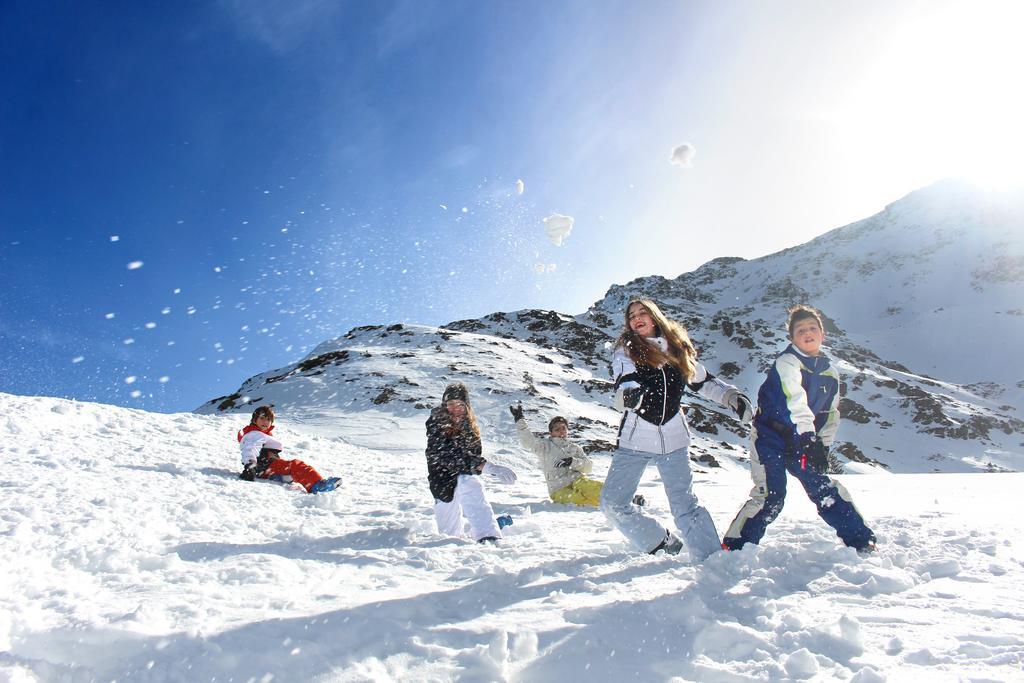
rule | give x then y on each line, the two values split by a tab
651	398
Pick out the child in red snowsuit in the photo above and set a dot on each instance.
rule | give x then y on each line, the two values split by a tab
261	456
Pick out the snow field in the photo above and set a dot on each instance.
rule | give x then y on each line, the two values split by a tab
131	551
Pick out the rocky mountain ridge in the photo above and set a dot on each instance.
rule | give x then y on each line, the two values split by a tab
891	287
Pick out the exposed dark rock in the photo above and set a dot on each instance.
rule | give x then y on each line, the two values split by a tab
385	396
855	412
728	370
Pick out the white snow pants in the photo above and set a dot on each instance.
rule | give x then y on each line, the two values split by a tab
644	532
469	500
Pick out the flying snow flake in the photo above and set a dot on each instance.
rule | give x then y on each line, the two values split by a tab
130	379
150	325
284	229
683	155
177	290
109	316
134	265
78	359
558	227
443	207
114	238
164	380
552	267
465	209
165	310
216	269
135	394
128	341
520	186
539	268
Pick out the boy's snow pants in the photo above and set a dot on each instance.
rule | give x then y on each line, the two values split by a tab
645	532
769	462
298	471
470	501
583	491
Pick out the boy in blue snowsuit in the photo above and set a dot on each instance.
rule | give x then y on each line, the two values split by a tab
796	422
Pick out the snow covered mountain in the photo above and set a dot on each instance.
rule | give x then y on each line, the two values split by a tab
923	308
132	551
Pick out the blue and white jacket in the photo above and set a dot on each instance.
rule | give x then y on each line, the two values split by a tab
653	421
799	395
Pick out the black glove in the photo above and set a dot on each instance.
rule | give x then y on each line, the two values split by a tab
813	453
631	397
744	411
818	457
263	460
517	412
248	474
564	462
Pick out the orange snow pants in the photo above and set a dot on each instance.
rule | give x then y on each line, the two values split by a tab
300	472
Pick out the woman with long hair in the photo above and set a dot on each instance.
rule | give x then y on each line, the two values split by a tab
454	459
653	363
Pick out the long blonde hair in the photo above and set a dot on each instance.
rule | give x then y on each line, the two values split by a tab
681	351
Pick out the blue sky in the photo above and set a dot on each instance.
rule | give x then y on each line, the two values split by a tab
285	171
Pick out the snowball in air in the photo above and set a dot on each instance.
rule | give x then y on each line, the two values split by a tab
683	155
558	227
520	186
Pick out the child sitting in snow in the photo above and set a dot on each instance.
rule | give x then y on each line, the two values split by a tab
261	457
564	464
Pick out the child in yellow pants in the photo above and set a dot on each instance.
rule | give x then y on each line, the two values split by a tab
564	464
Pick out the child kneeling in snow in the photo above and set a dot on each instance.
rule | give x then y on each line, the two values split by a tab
454	463
261	457
564	464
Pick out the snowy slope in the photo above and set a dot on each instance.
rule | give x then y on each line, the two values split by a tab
922	305
131	552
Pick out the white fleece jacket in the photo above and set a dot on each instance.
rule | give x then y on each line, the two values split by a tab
549	451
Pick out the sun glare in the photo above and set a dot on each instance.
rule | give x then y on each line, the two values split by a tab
941	97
